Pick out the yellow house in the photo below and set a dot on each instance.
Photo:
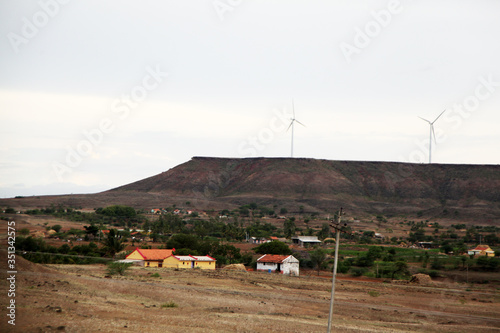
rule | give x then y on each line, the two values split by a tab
202	262
149	257
482	250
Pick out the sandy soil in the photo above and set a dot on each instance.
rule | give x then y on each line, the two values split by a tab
71	298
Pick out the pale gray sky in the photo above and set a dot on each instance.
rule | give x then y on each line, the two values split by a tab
97	94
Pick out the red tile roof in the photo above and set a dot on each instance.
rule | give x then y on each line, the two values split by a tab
155	254
273	258
482	248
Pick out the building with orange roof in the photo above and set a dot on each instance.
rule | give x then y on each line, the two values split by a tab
482	250
149	257
278	263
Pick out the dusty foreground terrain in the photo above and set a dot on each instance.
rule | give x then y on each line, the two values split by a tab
70	298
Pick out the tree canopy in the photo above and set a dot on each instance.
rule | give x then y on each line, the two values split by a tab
274	247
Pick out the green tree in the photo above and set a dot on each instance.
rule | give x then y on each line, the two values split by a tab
401	267
183	241
318	258
274	247
57	227
117	211
289	228
113	243
324	232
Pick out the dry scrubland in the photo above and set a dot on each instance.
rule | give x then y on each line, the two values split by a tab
70	298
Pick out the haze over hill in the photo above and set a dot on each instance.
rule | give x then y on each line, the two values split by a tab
462	192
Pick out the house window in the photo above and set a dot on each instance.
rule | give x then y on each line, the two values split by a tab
160	265
147	264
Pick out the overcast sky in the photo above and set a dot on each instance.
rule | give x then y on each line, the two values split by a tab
98	94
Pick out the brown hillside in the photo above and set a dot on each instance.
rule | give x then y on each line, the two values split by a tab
452	191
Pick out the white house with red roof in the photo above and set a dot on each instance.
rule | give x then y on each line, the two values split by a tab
278	263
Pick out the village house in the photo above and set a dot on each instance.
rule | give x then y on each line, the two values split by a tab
306	241
259	240
202	262
482	250
148	257
278	263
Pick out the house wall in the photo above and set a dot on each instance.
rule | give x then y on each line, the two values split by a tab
205	264
265	266
135	256
153	263
172	262
291	268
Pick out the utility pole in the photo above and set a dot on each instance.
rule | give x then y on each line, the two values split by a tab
338	228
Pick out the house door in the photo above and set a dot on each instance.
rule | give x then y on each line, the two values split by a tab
279	268
192	264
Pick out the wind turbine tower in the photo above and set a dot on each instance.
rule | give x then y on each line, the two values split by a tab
432	134
292	125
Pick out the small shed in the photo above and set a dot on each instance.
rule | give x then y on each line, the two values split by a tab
305	241
278	263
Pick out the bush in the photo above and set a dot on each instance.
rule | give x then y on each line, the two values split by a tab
170	304
118	267
434	274
358	271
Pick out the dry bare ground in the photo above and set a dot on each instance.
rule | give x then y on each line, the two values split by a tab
71	298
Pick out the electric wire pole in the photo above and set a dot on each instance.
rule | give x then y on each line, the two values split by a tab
338	228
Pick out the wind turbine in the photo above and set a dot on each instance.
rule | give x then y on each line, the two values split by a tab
292	123
432	134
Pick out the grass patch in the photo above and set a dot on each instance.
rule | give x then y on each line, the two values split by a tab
170	304
155	275
374	293
118	268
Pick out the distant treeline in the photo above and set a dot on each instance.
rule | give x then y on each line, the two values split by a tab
36	250
116	215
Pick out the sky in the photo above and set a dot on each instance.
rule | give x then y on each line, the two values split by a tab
98	94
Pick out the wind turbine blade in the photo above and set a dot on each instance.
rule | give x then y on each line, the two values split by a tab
438	116
290	125
293	109
425	120
300	122
433	134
